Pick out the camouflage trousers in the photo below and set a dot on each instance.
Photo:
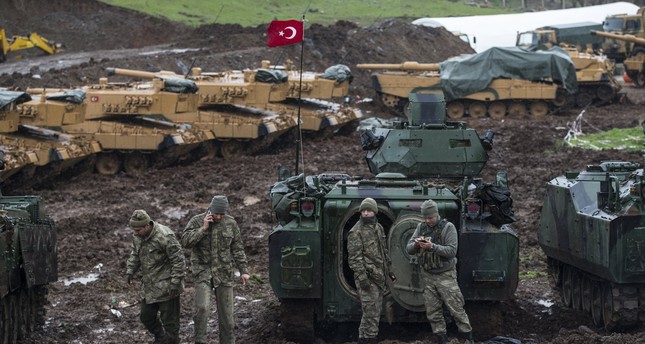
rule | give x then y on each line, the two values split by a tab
442	288
162	317
224	300
371	304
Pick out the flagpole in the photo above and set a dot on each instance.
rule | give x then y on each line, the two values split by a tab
299	133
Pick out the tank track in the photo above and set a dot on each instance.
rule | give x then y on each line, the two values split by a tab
614	306
21	313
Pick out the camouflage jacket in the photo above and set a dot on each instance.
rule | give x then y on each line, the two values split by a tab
443	254
215	252
161	261
367	253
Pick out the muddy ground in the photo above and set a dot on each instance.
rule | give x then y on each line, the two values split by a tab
92	210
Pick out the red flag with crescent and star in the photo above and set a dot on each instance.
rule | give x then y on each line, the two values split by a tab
284	32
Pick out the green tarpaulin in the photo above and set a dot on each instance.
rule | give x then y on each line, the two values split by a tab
462	76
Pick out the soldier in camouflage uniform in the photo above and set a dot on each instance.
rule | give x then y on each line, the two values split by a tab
217	249
368	257
435	242
159	256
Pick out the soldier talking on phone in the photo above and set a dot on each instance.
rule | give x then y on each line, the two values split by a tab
217	249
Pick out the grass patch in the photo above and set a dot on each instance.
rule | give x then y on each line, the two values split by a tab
253	12
630	139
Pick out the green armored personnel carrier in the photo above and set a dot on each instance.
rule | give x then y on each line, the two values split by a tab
425	158
592	231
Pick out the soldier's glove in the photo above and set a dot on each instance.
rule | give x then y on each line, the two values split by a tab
174	291
364	283
128	278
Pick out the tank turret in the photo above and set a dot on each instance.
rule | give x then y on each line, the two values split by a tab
425	158
620	37
493	82
634	63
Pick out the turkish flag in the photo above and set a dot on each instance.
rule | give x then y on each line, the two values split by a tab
284	32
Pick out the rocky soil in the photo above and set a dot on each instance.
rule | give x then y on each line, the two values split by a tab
92	210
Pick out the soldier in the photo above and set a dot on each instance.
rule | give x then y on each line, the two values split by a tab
435	241
217	248
156	251
368	258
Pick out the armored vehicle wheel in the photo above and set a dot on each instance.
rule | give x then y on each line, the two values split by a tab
555	271
455	110
402	107
135	163
567	286
516	109
639	80
562	99
586	294
596	303
608	310
539	108
583	99
229	149
605	94
576	290
477	109
108	163
497	110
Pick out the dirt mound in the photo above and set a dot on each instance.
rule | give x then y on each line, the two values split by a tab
92	210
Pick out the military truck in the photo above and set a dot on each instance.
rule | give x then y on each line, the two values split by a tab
308	268
29	264
591	230
573	35
622	24
634	63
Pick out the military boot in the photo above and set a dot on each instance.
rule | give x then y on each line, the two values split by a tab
468	336
160	338
442	338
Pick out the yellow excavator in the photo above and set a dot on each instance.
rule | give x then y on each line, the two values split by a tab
21	42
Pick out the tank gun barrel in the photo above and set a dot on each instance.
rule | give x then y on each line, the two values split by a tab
627	38
408	65
139	73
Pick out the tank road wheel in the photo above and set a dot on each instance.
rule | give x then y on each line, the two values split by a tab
497	110
576	290
639	80
586	294
477	109
583	99
567	286
135	163
516	109
538	108
229	149
402	107
455	110
596	303
608	310
555	270
605	94
108	163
